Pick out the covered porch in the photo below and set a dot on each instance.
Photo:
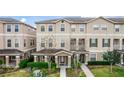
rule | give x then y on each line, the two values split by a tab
59	56
11	57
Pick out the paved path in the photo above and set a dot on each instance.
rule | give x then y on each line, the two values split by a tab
62	71
86	70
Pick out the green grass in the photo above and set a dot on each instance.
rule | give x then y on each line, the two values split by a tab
72	73
104	71
19	73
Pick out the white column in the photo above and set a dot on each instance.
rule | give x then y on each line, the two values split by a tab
120	44
35	58
45	58
17	61
7	60
77	57
86	58
69	61
56	61
122	59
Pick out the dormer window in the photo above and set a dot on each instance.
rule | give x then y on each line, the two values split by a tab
117	28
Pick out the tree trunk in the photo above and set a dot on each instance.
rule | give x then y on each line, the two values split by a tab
111	68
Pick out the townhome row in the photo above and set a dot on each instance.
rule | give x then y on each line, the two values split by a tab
17	41
83	39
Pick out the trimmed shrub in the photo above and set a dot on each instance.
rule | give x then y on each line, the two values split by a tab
23	63
98	63
1	62
53	65
38	65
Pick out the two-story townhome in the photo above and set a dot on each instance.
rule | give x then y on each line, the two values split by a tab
17	41
78	39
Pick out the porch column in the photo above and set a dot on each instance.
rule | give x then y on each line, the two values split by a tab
77	57
120	44
86	58
45	58
7	60
35	58
17	61
69	61
56	61
122	59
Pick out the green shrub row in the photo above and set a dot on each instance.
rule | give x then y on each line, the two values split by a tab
98	63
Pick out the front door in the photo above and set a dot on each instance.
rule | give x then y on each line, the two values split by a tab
62	60
82	58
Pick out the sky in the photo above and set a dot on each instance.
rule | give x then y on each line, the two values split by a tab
32	19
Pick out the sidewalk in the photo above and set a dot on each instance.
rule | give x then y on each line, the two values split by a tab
62	71
86	70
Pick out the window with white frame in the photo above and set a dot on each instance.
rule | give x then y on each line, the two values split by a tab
106	42
50	43
9	28
93	57
117	28
73	28
62	43
9	43
16	43
82	27
104	27
50	28
93	42
62	27
42	42
17	28
96	27
42	28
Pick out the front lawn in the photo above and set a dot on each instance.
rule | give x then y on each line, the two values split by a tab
19	73
104	71
70	72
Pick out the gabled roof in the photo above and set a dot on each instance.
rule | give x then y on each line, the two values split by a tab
83	20
49	51
11	20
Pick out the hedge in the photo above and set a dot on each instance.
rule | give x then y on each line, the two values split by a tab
23	63
38	65
98	63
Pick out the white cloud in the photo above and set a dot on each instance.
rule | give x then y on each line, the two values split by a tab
23	20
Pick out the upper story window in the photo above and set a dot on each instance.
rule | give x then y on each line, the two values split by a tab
9	43
73	28
9	28
42	28
24	42
16	28
106	42
96	27
31	43
16	43
81	27
62	43
62	27
50	28
103	27
50	43
93	57
117	28
93	42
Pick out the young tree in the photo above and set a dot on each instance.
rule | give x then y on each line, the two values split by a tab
112	57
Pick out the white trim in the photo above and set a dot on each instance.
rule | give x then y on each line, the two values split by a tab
6	34
68	34
64	52
25	50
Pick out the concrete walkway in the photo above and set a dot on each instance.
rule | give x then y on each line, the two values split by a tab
62	71
86	70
